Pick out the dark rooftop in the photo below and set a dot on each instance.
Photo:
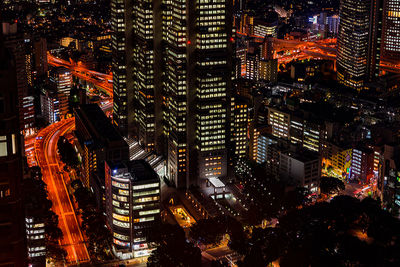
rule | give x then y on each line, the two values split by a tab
94	117
139	170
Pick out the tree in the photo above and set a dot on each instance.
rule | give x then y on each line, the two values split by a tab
173	249
331	185
295	198
38	206
208	231
343	232
93	223
67	152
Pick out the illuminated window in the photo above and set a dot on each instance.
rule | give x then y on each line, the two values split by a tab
3	146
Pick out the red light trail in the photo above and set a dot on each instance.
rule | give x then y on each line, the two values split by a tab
45	150
98	79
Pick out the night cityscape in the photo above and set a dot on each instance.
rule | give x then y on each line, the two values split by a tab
200	133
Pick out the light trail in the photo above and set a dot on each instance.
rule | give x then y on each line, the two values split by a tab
98	79
53	175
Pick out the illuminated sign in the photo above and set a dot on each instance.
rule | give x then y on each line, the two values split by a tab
142	253
120	243
313	19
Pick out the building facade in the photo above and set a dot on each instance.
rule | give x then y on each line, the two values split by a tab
172	70
353	40
391	31
121	47
198	78
61	82
98	141
12	228
132	206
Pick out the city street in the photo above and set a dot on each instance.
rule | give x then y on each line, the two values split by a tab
46	153
98	79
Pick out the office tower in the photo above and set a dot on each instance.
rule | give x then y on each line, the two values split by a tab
61	82
40	56
375	40
280	123
28	114
137	70
391	31
14	41
332	23
353	42
198	77
132	206
147	72
268	70
12	241
252	65
50	106
121	46
240	122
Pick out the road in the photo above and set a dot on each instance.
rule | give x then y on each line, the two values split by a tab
98	79
319	49
53	176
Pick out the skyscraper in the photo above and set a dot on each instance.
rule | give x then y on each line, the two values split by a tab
375	40
391	31
137	73
353	42
147	72
172	81
121	46
198	82
12	244
14	41
61	82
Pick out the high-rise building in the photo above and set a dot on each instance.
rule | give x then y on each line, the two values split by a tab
375	40
137	70
147	74
332	23
61	82
121	46
362	164
268	70
240	123
12	241
280	123
132	206
40	56
172	70
353	40
50	106
14	41
252	65
198	82
391	31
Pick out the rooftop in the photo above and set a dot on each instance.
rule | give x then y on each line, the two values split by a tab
137	170
98	123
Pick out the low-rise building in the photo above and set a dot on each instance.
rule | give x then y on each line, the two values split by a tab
98	141
132	206
300	168
362	164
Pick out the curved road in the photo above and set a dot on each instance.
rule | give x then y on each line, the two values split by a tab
96	78
53	176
